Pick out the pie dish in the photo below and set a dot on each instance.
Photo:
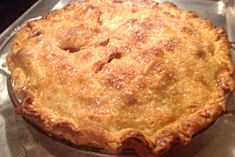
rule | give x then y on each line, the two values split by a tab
122	74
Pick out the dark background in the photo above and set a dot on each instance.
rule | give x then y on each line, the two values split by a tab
10	10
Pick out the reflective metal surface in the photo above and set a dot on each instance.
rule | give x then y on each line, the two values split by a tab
19	139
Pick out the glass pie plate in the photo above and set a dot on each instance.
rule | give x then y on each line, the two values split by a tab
20	138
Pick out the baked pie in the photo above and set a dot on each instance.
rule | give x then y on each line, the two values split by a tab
119	75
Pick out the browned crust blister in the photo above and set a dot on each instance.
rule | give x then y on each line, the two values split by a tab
162	140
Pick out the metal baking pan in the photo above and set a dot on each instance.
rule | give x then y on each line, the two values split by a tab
19	139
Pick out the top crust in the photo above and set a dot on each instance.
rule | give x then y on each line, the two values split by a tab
122	74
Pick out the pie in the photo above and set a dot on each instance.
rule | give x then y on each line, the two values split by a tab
119	75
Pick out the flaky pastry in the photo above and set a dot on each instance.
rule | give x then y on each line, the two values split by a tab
119	75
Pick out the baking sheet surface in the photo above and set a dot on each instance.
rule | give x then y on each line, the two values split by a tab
19	139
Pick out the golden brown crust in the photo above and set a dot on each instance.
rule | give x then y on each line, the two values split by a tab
138	75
